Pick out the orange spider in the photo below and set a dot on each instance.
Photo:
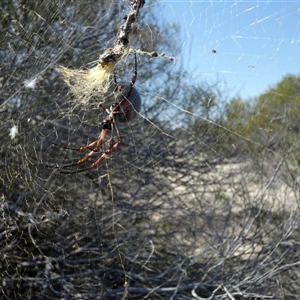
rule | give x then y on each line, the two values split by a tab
126	107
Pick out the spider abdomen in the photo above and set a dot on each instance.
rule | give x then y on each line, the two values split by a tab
131	107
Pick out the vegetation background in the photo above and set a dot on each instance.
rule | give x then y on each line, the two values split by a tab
200	202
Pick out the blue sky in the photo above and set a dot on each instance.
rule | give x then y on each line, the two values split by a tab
257	42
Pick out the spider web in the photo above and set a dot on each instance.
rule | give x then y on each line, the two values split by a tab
202	197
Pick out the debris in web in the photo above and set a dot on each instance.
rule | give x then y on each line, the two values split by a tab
85	84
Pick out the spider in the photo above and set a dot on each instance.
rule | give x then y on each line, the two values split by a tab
126	107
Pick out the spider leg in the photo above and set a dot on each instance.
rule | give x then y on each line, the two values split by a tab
123	106
134	77
70	148
105	109
97	144
112	147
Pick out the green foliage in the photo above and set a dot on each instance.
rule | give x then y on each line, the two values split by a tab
236	112
271	123
279	107
275	117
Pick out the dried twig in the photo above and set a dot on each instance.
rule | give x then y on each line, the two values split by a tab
122	47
